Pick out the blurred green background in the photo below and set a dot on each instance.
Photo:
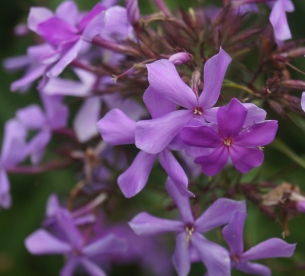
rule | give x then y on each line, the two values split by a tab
30	193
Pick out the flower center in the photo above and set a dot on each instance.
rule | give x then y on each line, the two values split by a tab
235	258
190	230
227	142
198	110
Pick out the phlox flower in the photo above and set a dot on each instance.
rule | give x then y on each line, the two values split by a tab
231	138
191	245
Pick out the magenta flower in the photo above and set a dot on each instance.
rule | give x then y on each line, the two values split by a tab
190	241
154	135
272	248
232	140
42	242
118	129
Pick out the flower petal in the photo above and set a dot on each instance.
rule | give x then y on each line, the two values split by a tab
181	257
231	118
66	59
146	224
272	248
213	163
68	12
303	101
28	78
14	148
95	11
233	233
215	258
245	159
131	108
218	214
42	242
92	268
133	180
116	128
254	114
66	224
256	135
55	30
38	15
255	269
85	121
69	267
94	27
279	22
182	202
164	79
31	116
37	145
214	71
200	136
5	196
154	135
104	246
157	104
175	172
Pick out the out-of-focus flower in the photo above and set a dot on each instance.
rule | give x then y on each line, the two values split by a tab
74	246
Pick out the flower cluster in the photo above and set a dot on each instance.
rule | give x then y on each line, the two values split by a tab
190	109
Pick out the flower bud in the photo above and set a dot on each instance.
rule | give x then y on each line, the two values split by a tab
180	58
293	84
133	12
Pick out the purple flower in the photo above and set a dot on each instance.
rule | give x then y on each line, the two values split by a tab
14	150
272	248
32	117
154	135
117	129
190	241
278	19
232	140
303	101
42	242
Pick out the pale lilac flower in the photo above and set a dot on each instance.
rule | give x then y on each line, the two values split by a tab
118	129
14	150
190	241
54	116
232	139
74	246
272	248
154	135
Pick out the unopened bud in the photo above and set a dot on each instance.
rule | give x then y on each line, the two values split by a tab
294	53
293	84
301	206
133	12
180	58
